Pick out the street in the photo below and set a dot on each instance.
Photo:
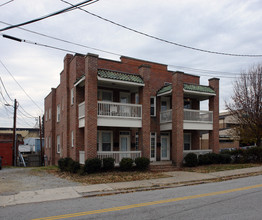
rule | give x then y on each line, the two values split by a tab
234	199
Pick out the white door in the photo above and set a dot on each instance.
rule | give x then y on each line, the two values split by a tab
124	144
165	147
152	146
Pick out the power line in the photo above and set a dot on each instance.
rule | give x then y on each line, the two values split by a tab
108	52
163	40
20	85
5	89
70	51
73	7
6	3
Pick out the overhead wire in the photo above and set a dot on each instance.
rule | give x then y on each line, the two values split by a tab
5	89
70	51
20	86
161	39
6	3
46	16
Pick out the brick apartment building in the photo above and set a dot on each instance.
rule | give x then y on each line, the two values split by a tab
127	108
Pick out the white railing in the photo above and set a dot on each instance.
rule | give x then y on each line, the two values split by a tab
189	115
115	109
118	155
198	116
197	152
166	116
81	110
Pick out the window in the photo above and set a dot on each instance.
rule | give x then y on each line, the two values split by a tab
49	144
136	141
45	115
105	140
124	97
46	142
72	96
105	95
187	104
187	141
72	138
58	146
153	106
153	145
49	113
137	98
58	113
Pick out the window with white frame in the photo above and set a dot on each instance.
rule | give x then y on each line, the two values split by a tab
153	145
72	96
58	113
49	113
72	138
49	140
105	140
105	95
153	106
58	145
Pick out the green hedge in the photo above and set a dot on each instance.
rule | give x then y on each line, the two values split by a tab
108	163
126	164
191	160
93	165
142	163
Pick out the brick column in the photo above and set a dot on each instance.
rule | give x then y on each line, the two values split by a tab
90	134
214	106
144	99
177	118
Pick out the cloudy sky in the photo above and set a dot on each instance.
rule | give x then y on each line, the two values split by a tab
29	71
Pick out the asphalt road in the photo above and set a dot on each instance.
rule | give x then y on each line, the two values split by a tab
234	199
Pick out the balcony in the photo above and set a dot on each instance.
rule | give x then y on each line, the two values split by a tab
114	114
193	120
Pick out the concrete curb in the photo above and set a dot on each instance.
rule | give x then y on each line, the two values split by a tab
178	179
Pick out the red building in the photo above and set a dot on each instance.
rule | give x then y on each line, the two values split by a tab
127	108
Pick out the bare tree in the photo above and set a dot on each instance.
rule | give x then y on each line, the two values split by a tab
246	105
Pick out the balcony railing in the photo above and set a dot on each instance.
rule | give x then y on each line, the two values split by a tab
123	110
189	115
118	155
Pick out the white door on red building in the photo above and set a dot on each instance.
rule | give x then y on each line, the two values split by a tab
165	146
124	144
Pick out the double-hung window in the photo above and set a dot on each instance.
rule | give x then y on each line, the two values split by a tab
58	144
153	106
58	113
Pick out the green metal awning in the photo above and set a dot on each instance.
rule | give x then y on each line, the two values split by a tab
120	76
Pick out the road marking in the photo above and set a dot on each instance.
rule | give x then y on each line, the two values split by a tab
148	203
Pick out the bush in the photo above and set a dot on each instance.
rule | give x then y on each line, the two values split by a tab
108	163
142	163
64	164
126	164
254	154
214	158
61	164
92	165
191	160
224	158
238	155
74	167
204	159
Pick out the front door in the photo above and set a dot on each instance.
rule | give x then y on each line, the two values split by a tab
165	147
124	144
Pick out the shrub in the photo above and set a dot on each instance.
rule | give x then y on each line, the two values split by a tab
68	163
92	165
74	167
108	163
254	154
142	163
238	156
204	159
61	164
214	158
191	160
126	164
224	158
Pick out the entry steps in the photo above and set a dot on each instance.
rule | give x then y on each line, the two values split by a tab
162	166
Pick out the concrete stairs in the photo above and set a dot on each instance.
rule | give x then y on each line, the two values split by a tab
162	166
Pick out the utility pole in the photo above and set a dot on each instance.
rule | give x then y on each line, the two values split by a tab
14	135
41	150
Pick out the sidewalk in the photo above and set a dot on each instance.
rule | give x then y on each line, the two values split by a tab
178	178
